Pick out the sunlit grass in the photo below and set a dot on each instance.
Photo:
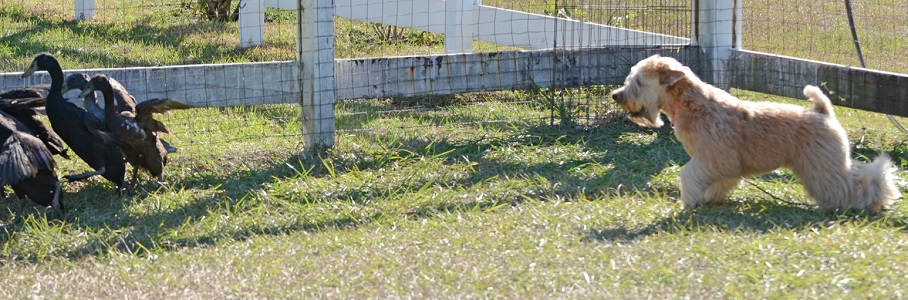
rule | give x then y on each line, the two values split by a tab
430	203
466	196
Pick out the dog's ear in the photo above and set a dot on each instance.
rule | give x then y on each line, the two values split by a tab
670	76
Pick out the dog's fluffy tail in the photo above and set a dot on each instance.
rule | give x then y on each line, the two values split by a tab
874	184
821	103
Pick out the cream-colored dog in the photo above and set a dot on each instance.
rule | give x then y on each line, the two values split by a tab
729	139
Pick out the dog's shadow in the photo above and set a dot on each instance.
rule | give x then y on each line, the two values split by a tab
760	216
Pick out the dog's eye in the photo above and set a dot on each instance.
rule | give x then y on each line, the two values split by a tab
637	81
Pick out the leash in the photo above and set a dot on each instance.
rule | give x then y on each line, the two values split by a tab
792	203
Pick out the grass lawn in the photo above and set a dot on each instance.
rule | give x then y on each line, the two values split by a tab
478	198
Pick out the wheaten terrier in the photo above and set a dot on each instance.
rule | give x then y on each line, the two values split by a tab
729	139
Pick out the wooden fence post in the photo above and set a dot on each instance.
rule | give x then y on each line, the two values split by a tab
251	23
315	53
85	9
717	26
460	25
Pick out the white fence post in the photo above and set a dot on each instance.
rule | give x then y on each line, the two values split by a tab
460	24
85	9
717	27
251	23
315	53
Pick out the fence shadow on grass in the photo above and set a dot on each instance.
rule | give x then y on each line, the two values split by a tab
633	165
143	232
234	187
149	230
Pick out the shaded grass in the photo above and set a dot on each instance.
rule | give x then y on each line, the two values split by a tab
444	208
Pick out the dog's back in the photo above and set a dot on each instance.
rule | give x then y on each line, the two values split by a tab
821	103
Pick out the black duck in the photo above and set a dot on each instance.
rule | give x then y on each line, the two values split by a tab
27	166
139	132
79	129
78	81
125	102
25	110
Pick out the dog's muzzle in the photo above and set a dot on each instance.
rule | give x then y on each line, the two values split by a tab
618	96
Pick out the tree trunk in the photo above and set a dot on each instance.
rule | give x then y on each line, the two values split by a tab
220	10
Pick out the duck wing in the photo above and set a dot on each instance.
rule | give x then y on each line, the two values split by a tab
30	92
22	156
130	126
6	103
90	104
159	106
99	129
146	109
53	142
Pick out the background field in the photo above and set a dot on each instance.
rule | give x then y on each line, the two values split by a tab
466	196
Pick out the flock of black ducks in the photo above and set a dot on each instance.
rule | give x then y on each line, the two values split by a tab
106	139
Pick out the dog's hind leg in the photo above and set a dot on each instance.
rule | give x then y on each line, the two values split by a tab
827	181
691	187
857	186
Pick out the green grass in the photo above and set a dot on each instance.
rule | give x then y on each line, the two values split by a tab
432	204
820	30
467	196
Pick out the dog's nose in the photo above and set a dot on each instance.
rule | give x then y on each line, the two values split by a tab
617	97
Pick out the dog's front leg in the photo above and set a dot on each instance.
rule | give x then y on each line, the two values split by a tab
692	186
701	185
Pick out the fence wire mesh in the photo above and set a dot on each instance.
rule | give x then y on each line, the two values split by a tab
587	102
246	100
398	66
822	31
510	57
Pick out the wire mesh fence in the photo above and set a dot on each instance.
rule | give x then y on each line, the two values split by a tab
822	31
566	86
587	102
505	75
247	107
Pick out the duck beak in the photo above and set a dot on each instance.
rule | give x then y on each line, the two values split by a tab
31	70
86	91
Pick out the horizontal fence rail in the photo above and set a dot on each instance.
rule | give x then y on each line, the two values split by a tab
482	72
500	26
463	20
535	31
276	82
200	85
860	88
